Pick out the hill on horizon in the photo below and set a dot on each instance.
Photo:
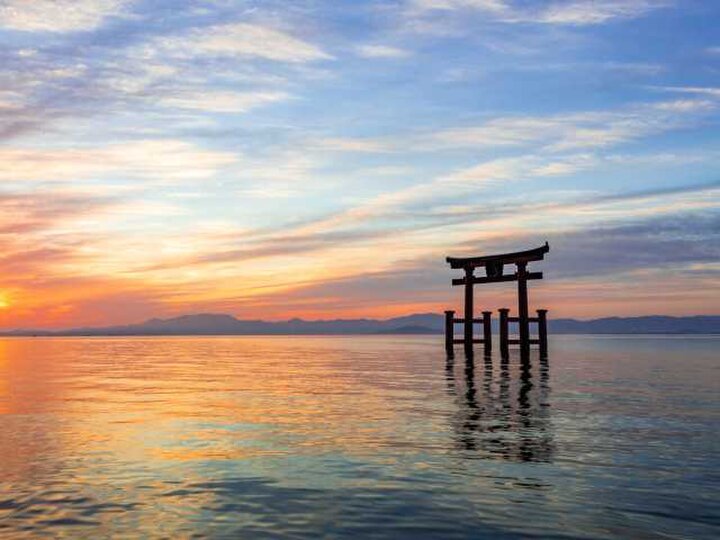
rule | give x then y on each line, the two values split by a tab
419	323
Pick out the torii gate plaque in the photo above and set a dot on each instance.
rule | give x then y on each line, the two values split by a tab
494	273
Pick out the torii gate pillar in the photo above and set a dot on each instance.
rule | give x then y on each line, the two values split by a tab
469	310
523	323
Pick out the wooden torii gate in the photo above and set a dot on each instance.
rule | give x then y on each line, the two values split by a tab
494	273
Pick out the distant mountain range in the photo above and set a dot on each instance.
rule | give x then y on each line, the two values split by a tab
424	323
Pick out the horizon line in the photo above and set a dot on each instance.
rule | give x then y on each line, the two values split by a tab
29	330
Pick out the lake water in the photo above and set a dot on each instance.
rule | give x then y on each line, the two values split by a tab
374	437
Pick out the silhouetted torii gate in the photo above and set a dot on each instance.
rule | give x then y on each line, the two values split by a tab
494	273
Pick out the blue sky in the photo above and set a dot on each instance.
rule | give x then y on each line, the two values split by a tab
276	159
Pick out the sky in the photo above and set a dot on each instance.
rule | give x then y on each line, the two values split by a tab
320	159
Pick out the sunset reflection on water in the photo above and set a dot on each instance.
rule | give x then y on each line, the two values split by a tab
380	436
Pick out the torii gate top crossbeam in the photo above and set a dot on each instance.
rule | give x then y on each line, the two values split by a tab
536	254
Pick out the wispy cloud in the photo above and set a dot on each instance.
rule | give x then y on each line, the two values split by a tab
568	132
58	15
346	253
219	101
355	145
226	68
704	91
161	160
586	12
567	13
517	168
382	51
26	212
580	130
493	6
239	39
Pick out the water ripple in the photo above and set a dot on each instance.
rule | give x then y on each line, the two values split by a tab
378	437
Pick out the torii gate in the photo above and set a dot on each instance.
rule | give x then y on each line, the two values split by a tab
494	266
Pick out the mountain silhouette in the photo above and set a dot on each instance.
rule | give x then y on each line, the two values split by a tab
421	323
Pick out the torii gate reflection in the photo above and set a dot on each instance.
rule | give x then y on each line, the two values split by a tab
494	273
506	417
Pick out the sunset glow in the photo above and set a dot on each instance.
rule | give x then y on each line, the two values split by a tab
320	160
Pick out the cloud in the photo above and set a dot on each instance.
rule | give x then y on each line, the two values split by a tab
583	130
163	94
493	6
561	133
668	240
567	13
588	12
58	15
239	39
223	68
160	160
287	168
682	219
507	131
355	145
200	268
381	51
22	213
461	183
636	68
686	105
705	91
406	288
667	244
413	210
219	101
269	192
516	168
281	245
10	100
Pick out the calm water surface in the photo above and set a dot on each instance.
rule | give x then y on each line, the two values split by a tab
376	437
